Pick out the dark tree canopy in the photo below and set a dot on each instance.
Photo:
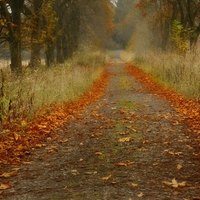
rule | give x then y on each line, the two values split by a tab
57	27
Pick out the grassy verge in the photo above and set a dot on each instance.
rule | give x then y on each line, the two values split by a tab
181	74
22	97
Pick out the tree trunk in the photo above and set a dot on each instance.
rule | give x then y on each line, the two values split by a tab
59	50
193	39
64	47
35	36
35	60
15	53
50	57
15	36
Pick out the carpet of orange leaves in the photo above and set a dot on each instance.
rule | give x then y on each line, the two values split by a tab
189	109
17	139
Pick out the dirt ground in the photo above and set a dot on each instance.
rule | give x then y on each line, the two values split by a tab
129	145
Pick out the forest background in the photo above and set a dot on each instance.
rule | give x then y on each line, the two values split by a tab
66	43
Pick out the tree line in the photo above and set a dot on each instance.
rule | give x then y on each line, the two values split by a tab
57	27
171	21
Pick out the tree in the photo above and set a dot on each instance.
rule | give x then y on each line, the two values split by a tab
35	24
10	30
49	25
60	11
123	22
96	22
49	30
189	12
163	13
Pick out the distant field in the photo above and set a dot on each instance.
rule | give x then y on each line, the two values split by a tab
5	59
4	63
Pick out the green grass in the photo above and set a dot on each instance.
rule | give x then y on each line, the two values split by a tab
25	95
127	104
125	83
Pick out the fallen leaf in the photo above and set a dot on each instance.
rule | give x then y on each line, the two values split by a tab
125	163
189	147
1	192
179	166
155	164
120	164
5	185
131	128
98	153
8	174
167	183
16	136
91	173
106	178
140	195
40	126
123	133
74	172
27	163
24	124
182	184
179	153
148	131
169	152
122	111
126	139
65	187
134	185
97	134
143	149
174	183
166	143
51	148
39	145
129	162
63	141
146	142
16	169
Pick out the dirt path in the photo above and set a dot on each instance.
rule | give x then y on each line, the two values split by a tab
129	145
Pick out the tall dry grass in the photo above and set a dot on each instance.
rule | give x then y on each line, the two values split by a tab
181	74
23	96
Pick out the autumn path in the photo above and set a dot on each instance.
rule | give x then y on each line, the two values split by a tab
128	145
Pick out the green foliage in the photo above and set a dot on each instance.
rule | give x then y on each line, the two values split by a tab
179	36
